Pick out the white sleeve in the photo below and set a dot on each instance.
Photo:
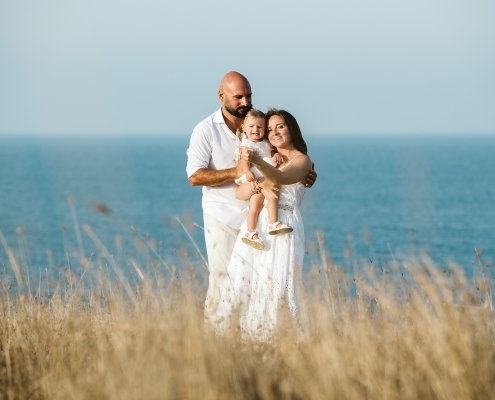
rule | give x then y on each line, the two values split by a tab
199	151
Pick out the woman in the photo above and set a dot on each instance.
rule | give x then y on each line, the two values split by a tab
260	292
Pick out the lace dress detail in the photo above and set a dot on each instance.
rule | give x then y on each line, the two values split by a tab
260	292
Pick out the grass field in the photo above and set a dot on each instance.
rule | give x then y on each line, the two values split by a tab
409	332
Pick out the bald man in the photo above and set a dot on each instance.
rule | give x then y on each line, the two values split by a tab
211	164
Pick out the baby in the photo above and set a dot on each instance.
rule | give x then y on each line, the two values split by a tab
254	130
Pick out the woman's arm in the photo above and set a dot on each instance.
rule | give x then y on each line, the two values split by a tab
295	172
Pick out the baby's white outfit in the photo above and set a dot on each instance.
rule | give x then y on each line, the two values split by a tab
263	149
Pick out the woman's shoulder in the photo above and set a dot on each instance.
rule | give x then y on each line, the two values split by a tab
303	163
300	159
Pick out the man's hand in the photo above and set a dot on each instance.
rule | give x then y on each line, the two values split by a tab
311	177
250	176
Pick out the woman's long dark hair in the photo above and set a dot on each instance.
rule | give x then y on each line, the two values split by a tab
294	130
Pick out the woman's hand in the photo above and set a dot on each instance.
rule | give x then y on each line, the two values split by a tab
245	190
269	186
250	155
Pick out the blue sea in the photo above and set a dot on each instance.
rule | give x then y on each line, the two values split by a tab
377	197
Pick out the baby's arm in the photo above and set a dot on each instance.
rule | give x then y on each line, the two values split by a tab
245	167
277	159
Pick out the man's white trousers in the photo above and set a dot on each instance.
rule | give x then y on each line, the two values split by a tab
220	239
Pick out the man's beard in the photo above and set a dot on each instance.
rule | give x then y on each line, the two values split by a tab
239	112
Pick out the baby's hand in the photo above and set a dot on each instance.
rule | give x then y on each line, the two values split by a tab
277	158
250	177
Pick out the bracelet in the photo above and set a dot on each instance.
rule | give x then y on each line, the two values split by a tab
255	187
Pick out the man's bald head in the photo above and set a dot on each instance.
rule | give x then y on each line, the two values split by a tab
235	94
233	79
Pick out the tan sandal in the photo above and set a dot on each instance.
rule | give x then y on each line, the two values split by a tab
255	243
277	228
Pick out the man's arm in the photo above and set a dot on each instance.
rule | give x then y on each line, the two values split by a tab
212	177
198	159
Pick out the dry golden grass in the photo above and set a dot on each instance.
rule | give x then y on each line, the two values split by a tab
424	335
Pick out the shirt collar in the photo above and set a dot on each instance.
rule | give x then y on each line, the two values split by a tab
218	117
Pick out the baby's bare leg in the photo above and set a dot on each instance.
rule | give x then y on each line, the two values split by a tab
244	191
272	206
255	206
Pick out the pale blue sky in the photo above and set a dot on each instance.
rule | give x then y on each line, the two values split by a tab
152	66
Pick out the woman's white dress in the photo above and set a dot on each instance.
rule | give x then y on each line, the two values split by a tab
260	292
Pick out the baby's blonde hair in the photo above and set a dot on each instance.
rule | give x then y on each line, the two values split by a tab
254	113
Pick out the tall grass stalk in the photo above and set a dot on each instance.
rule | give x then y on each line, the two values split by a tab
374	335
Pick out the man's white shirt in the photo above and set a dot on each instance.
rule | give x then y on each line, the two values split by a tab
213	146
